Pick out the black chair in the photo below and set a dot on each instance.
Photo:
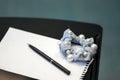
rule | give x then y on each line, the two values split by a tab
55	28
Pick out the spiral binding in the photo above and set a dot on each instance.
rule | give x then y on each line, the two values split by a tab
86	68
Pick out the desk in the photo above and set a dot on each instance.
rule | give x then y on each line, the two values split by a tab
4	75
55	29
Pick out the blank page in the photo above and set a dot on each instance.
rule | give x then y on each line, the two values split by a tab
17	57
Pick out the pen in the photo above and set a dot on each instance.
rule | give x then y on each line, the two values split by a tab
49	59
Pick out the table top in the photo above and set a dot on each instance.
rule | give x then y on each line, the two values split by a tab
55	28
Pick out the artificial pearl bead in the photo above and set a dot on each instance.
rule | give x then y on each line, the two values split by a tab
66	43
94	46
70	32
81	36
85	54
88	40
68	52
70	58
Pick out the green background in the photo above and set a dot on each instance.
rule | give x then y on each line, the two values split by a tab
103	12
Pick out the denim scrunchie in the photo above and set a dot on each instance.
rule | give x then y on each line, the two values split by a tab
77	48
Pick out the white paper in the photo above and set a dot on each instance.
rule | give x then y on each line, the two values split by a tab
17	57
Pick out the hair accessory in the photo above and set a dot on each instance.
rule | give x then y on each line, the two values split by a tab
77	48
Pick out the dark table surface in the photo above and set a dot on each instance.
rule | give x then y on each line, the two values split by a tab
55	29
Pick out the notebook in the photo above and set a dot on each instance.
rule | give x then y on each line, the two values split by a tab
17	57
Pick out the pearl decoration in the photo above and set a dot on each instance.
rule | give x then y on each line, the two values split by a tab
66	43
88	40
70	58
81	36
68	52
85	54
94	47
70	32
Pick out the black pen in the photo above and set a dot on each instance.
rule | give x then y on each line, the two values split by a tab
50	59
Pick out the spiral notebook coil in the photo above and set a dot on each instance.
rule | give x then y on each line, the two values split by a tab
85	69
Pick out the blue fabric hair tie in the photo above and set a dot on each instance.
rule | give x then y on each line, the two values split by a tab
77	48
